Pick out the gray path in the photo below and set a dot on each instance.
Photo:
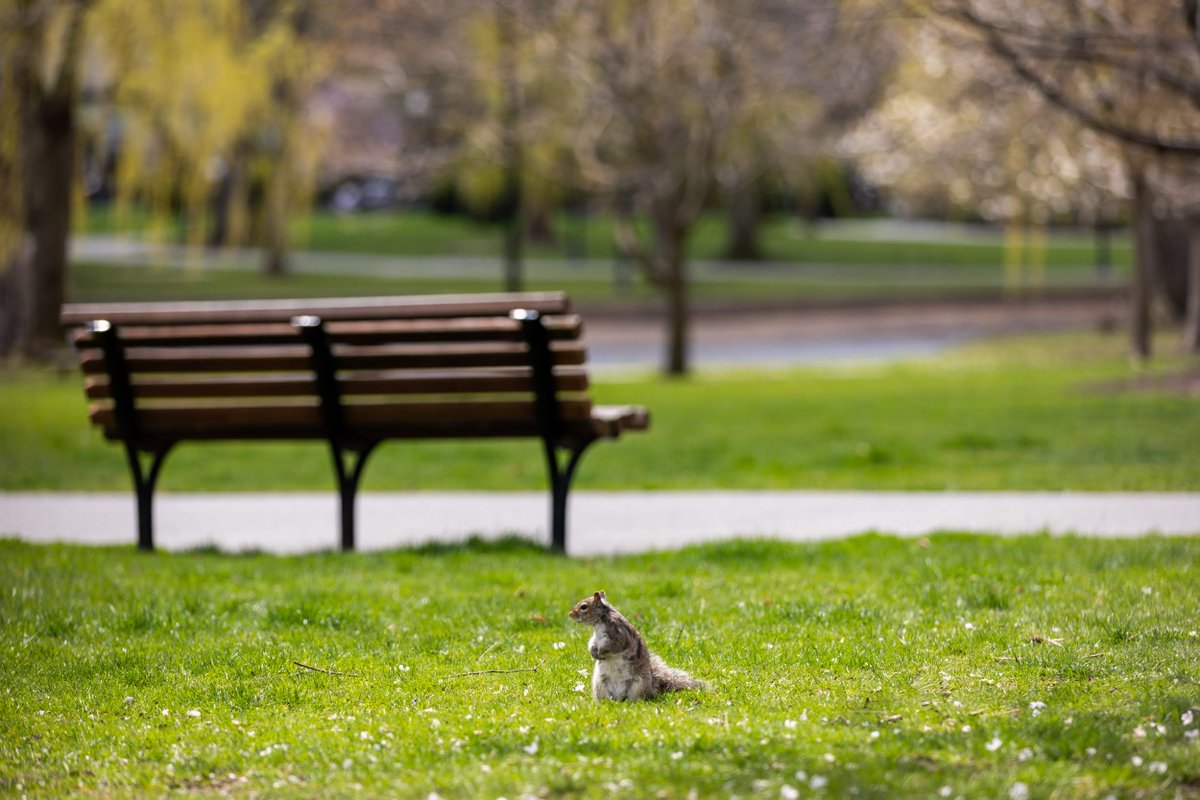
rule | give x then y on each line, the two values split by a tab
600	522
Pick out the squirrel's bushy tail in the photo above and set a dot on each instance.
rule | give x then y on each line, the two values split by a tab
669	679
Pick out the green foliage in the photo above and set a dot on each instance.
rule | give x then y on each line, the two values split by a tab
872	667
1027	414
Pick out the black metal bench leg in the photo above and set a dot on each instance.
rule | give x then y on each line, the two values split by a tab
560	486
348	481
144	482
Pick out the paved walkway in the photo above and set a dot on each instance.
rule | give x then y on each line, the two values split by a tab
599	523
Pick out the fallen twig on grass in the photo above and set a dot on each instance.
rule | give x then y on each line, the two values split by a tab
326	671
494	671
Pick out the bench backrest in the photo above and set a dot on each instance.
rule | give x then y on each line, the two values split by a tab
361	370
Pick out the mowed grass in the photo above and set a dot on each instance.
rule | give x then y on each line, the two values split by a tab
783	238
955	666
1033	413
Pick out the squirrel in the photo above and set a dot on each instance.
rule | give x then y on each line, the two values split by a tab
625	668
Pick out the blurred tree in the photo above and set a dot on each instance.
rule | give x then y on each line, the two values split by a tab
1126	69
839	56
209	97
953	136
40	45
667	97
487	87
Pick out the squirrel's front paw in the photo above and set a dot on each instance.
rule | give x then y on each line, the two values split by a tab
595	651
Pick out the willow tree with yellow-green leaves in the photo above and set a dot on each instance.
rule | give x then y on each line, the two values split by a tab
209	99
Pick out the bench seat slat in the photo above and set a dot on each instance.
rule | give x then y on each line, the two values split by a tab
253	421
359	308
297	358
470	329
354	384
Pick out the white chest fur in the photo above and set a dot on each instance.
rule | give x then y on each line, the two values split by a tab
614	677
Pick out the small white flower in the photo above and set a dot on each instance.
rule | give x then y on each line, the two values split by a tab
829	757
678	754
789	792
1192	734
1136	761
1161	730
579	687
523	729
1018	791
966	728
1139	732
874	735
969	626
1157	768
195	712
1036	707
1187	717
559	645
166	712
994	744
1147	590
531	748
818	782
485	768
1091	751
1025	754
790	724
1192	634
801	775
945	791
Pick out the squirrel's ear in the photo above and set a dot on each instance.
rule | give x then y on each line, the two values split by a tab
597	597
600	595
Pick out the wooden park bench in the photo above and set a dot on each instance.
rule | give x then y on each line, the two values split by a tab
352	372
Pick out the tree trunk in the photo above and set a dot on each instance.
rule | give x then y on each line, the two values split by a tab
669	241
1191	322
276	261
1172	237
37	286
510	119
1142	290
745	215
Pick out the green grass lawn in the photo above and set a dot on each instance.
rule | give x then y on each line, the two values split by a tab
419	233
1028	413
955	666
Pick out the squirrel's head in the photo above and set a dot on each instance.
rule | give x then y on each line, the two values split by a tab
589	610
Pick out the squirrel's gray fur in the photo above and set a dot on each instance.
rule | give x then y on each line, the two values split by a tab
625	668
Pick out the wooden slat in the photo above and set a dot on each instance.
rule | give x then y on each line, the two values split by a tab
297	358
611	421
353	308
304	421
495	381
467	329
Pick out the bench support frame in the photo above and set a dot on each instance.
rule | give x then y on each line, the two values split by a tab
145	478
348	462
550	422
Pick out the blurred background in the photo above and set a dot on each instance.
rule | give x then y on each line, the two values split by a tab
759	182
